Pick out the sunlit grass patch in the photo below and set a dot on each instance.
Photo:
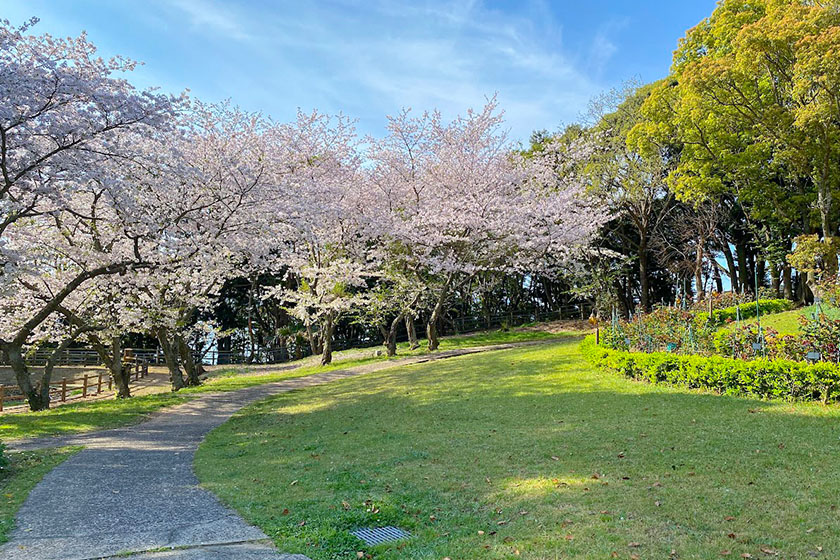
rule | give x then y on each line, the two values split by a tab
530	450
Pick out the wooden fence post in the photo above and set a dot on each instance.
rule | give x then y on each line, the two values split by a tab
2	394
84	386
110	381
63	389
99	384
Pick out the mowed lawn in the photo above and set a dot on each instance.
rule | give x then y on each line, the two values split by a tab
530	453
110	413
790	322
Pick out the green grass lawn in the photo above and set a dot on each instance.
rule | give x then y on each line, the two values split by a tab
23	473
84	416
101	414
788	322
530	453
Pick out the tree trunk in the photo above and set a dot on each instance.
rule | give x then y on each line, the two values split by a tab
170	355
743	268
38	396
298	347
389	336
759	269
824	203
644	280
326	340
412	332
787	282
113	361
698	272
46	377
775	284
251	348
190	366
431	325
14	354
283	348
313	340
730	265
718	279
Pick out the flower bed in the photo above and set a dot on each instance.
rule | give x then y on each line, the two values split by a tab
673	329
763	378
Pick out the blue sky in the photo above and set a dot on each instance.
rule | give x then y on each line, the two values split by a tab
368	59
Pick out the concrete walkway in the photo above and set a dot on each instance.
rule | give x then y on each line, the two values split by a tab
132	491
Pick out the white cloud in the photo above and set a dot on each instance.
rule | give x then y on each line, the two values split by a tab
211	16
369	59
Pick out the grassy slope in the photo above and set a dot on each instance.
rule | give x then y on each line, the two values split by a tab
87	416
23	474
787	322
540	453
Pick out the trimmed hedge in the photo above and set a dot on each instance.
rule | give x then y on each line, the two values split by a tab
766	306
767	379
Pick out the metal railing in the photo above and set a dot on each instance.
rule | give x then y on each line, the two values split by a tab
296	348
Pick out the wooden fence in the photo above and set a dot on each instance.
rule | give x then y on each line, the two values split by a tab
89	385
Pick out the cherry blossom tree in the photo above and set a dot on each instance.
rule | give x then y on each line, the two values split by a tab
218	169
65	216
462	201
125	211
323	245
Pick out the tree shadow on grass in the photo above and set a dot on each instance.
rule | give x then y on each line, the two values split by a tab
468	444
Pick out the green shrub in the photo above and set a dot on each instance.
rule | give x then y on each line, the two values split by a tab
747	311
763	378
737	343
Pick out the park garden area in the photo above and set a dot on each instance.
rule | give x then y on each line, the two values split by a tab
617	339
763	348
531	453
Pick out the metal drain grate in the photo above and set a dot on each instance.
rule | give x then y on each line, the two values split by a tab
379	535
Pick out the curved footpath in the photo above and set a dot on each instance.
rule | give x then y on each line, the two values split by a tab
132	491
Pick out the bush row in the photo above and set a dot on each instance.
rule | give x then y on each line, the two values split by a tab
747	311
763	378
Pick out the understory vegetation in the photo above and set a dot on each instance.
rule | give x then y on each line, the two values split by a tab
530	453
